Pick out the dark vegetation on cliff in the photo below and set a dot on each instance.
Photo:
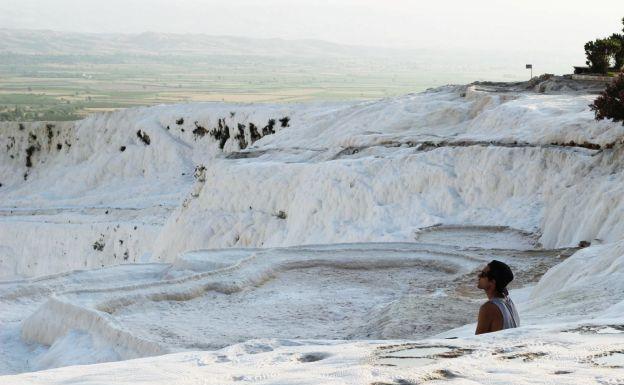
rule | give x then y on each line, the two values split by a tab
610	103
244	134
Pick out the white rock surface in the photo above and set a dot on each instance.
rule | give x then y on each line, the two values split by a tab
355	223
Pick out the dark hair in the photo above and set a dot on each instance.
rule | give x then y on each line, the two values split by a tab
501	273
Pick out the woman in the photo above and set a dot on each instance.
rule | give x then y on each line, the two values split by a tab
498	312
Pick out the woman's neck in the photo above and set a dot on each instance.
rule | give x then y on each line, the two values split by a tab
494	294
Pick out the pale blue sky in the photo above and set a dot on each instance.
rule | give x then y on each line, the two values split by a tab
524	25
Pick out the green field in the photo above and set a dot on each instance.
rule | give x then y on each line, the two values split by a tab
68	87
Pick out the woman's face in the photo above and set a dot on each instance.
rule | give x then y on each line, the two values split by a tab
484	280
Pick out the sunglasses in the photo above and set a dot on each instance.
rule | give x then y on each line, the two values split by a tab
483	274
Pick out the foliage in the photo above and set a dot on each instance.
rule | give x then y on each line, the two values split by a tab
598	54
610	103
617	41
601	52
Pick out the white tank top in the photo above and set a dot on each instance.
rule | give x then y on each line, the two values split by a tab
508	310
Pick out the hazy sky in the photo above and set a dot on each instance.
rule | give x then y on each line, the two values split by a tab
557	25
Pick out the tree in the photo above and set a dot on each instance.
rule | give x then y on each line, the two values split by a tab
618	55
600	52
610	103
617	47
598	55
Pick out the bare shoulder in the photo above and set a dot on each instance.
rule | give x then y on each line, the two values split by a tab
489	308
490	311
488	318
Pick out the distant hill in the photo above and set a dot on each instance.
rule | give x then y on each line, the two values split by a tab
54	43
